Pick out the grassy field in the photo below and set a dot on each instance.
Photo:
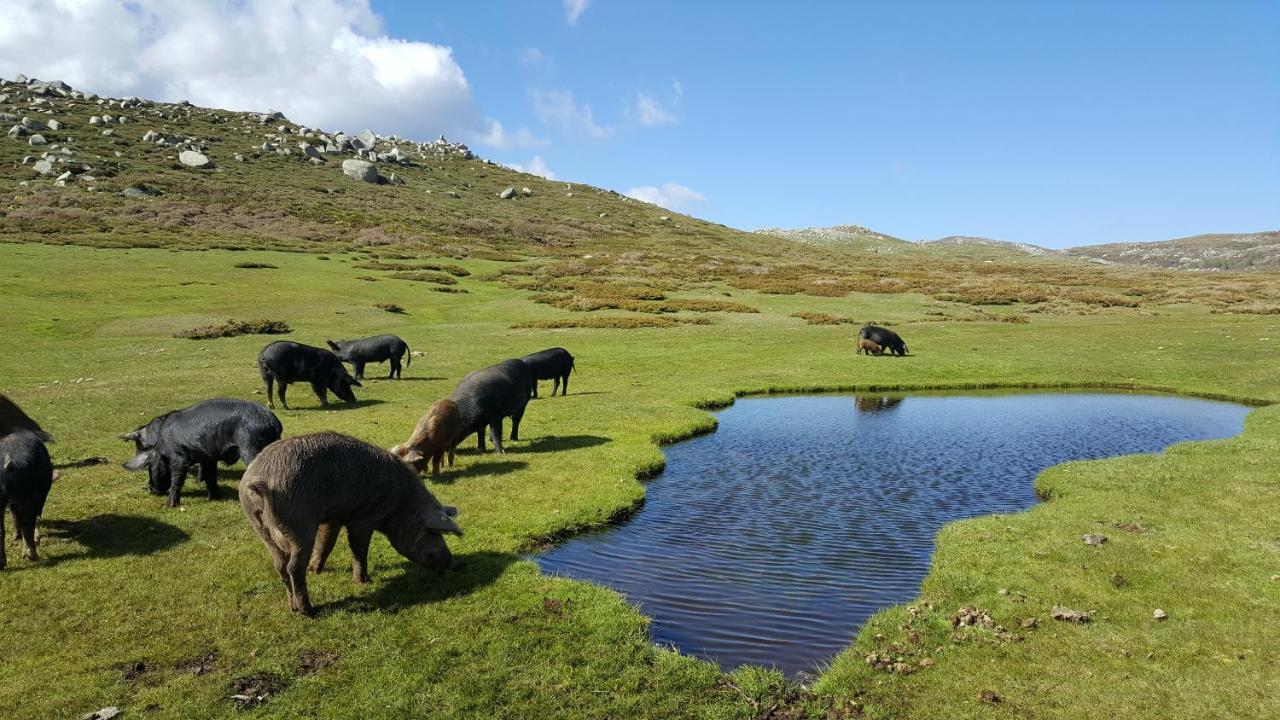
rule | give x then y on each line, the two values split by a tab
168	613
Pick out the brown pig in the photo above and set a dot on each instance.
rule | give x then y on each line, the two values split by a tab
869	346
299	492
436	434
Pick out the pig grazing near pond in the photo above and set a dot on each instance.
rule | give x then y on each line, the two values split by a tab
201	436
886	339
552	364
26	474
286	362
869	346
485	397
379	348
302	491
436	434
13	419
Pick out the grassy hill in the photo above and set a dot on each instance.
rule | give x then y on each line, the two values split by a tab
171	613
1230	252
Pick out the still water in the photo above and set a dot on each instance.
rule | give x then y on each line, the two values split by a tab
773	539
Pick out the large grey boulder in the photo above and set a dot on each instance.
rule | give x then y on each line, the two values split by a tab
312	151
367	138
507	194
37	139
44	167
193	159
360	170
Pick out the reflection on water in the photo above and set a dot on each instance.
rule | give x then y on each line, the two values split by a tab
771	540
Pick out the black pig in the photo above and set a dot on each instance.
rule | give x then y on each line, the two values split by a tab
376	349
26	474
552	364
202	436
286	362
486	396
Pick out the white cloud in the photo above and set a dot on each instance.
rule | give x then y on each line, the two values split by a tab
537	166
573	10
649	111
531	56
496	136
672	196
557	108
325	63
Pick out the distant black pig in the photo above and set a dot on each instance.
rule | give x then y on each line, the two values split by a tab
552	364
201	436
379	348
302	491
485	397
26	474
887	339
286	362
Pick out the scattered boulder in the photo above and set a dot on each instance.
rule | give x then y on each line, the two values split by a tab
360	170
37	139
1094	539
106	713
1066	614
395	179
138	193
507	194
1159	615
44	167
193	159
367	138
55	125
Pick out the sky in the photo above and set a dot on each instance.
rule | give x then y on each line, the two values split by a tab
1058	124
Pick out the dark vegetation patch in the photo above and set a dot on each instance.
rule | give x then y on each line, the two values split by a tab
252	690
390	307
975	316
455	290
1250	309
425	276
232	328
256	266
315	661
455	270
621	322
200	664
817	318
588	303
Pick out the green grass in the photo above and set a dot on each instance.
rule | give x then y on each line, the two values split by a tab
91	354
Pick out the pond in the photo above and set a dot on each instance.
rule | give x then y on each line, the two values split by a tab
773	539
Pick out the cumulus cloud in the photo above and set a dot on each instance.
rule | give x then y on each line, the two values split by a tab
672	196
573	10
537	166
497	136
649	111
325	63
557	108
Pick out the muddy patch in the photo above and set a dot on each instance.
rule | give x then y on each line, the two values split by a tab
252	690
315	661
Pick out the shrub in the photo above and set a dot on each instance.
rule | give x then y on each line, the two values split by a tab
232	328
815	318
621	322
256	266
390	307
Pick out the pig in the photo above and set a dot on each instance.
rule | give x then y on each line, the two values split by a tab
869	347
437	433
12	419
220	430
485	397
285	362
887	339
26	474
303	490
552	364
379	348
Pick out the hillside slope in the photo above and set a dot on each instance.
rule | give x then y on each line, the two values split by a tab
1240	251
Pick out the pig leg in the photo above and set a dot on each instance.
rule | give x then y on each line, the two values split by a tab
208	472
480	439
177	477
535	388
495	434
451	457
300	600
395	368
321	392
555	385
17	526
358	537
284	386
326	537
435	463
359	370
4	501
515	426
271	402
26	522
564	385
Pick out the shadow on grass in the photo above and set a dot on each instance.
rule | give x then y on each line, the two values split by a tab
498	467
384	378
109	536
557	443
341	406
418	586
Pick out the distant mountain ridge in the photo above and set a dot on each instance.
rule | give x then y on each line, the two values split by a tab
1026	248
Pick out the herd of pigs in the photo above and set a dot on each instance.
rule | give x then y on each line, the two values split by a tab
299	492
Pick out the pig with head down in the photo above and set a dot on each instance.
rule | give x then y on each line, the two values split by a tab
301	491
435	435
26	475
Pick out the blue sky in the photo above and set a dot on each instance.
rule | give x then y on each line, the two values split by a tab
1052	123
1059	124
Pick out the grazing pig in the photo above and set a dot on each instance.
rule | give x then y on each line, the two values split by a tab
869	347
436	434
12	419
286	362
302	491
379	348
485	397
26	474
202	436
887	339
553	364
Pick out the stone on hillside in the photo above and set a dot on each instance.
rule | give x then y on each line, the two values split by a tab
32	125
95	120
312	152
17	131
193	159
665	218
106	713
44	167
453	195
136	193
367	138
150	136
507	194
8	117
109	132
239	157
360	170
55	125
395	179
526	192
1094	539
4	97
1160	614
37	139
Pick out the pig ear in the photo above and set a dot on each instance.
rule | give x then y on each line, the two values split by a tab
440	521
332	344
139	461
131	436
355	383
450	510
